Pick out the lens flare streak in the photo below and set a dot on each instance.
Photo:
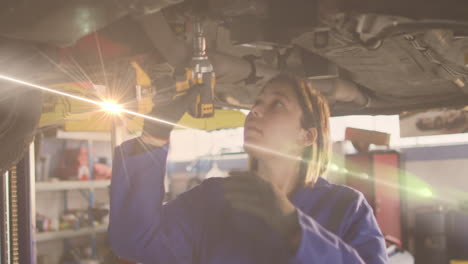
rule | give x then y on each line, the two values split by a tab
104	105
117	109
421	192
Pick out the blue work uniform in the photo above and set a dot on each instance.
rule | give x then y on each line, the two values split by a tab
337	224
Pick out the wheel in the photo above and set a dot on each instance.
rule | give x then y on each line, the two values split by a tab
19	116
20	107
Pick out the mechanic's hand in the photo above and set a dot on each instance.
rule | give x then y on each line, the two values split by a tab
171	110
256	196
167	108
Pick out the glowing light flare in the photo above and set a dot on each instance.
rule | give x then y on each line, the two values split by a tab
112	107
100	104
364	176
426	193
344	171
333	167
414	187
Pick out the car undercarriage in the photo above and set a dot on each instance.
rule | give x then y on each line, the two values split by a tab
366	57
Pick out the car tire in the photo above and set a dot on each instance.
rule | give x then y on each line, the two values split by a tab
20	106
19	116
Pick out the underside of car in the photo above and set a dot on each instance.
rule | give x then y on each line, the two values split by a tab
366	57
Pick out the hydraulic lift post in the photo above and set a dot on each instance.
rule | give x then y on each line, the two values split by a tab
17	220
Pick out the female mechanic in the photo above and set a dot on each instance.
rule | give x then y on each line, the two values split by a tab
281	211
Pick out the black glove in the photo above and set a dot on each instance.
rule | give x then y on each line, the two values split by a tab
168	109
256	196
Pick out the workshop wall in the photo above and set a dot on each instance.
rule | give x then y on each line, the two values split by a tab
444	169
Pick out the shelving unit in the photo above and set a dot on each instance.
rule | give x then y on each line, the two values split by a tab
68	189
68	186
71	185
94	136
63	234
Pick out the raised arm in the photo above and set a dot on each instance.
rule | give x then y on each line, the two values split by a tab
142	228
136	197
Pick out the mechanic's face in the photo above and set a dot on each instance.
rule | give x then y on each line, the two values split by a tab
274	122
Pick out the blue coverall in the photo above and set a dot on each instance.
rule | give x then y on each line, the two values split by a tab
337	224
